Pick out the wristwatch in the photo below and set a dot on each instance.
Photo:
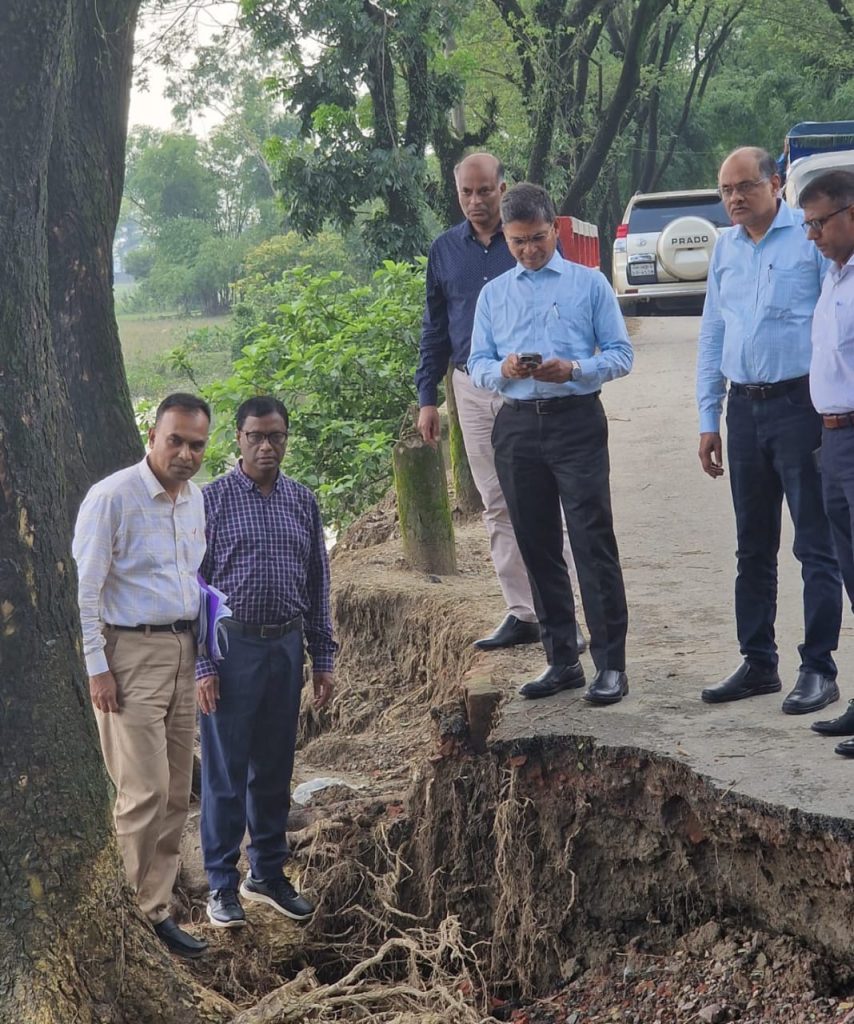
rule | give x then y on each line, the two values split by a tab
576	370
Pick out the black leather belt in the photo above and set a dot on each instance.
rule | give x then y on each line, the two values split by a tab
267	632
462	367
181	626
546	406
765	391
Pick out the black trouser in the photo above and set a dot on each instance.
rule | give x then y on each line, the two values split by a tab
549	454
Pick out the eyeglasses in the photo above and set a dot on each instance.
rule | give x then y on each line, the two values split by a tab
257	437
537	239
744	188
817	223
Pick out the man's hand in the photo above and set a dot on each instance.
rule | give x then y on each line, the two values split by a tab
323	688
513	368
207	694
428	424
554	371
711	457
104	692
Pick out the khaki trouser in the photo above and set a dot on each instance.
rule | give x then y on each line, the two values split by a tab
477	409
148	751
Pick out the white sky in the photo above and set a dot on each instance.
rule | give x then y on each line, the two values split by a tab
147	104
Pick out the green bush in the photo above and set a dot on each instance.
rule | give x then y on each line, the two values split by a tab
341	356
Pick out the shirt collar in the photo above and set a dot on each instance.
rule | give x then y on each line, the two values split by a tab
847	268
469	232
246	481
785	217
557	265
154	487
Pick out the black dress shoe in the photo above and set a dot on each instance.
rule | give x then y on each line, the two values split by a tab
178	941
609	686
846	748
553	680
812	692
511	632
842	726
746	681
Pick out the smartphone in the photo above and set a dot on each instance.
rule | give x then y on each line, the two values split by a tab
531	360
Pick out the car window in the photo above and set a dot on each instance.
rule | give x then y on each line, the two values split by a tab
655	214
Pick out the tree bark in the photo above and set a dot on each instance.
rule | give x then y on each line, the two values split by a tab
73	946
85	178
465	490
426	529
644	17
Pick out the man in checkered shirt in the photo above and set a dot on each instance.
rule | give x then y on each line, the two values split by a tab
266	552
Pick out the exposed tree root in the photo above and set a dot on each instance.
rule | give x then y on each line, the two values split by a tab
432	973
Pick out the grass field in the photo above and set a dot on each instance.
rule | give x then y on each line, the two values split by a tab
146	338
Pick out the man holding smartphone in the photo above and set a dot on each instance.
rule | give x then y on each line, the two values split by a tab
460	262
551	437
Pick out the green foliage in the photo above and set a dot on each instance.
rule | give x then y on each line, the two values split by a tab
341	356
367	93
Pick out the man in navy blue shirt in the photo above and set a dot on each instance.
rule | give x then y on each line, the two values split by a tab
266	552
461	261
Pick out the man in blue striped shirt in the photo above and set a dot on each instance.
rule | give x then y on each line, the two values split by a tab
764	280
547	335
266	552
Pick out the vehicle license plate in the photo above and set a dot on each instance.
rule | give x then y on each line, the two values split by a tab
643	270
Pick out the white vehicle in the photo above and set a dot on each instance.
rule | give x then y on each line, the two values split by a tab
663	248
802	171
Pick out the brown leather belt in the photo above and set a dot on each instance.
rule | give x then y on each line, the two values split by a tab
836	420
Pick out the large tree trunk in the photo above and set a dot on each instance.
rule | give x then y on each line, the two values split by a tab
85	178
73	947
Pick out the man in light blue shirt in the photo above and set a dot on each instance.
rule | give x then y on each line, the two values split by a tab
547	334
764	281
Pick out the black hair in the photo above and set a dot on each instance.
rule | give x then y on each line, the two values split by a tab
261	405
527	202
837	186
181	400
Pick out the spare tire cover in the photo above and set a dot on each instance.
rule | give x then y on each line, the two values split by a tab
684	248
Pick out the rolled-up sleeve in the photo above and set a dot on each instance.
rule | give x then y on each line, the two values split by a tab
92	548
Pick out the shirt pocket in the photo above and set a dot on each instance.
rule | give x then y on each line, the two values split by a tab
792	292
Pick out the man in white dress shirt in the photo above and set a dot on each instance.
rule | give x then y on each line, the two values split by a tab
138	544
828	205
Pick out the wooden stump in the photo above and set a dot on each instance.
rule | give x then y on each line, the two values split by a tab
426	528
465	491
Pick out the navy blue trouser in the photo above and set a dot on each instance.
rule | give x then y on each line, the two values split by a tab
837	470
770	446
248	748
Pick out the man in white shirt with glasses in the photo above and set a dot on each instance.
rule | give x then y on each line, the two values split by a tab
828	205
